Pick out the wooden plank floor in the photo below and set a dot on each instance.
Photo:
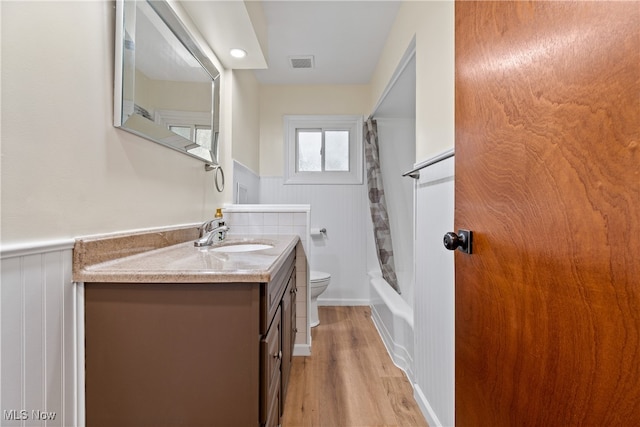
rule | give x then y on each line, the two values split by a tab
349	380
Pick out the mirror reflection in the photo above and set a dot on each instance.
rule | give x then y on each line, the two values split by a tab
169	90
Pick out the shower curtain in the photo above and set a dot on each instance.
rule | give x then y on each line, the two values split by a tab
379	215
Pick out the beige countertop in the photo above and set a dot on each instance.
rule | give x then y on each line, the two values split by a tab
185	263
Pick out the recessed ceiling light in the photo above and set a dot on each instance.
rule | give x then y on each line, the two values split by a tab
238	53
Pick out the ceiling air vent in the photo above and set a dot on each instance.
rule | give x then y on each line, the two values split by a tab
301	61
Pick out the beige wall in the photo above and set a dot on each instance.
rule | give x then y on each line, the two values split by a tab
180	96
432	23
246	119
156	95
66	171
276	101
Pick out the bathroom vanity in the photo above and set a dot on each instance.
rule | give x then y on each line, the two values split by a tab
179	335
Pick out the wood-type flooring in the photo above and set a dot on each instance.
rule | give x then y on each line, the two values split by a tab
349	380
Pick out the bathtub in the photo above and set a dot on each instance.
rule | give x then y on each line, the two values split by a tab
393	318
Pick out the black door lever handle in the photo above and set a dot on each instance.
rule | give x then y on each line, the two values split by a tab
460	241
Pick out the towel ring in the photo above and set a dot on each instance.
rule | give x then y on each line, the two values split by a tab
218	176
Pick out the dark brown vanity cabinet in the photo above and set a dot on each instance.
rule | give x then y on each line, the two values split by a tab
189	354
289	331
277	348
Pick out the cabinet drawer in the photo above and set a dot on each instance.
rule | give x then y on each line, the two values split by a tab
272	292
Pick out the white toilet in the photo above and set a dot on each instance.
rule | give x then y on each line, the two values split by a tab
318	282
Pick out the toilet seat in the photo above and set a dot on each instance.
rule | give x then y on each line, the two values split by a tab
316	277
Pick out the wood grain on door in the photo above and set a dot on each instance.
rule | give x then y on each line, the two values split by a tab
548	178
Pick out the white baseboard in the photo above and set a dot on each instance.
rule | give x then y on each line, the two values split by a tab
398	353
302	350
427	411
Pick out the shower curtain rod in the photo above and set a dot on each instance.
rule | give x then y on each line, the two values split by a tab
415	172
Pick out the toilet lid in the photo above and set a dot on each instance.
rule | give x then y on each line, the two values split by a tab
317	276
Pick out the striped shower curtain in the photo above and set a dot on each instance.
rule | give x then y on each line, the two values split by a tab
379	215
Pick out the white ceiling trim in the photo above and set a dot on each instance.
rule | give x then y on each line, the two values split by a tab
230	24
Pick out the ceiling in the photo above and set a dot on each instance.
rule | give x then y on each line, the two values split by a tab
344	37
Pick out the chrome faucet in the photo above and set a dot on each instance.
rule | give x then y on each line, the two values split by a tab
214	230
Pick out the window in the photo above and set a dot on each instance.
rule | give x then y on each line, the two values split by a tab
192	126
323	149
199	134
320	150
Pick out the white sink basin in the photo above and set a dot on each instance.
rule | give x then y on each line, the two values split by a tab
243	247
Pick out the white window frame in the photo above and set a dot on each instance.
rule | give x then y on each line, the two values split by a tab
351	123
191	119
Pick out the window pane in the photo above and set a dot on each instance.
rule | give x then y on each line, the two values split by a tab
309	151
336	145
203	137
184	131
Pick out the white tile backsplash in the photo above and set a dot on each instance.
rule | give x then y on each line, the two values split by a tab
239	220
271	218
285	229
285	219
256	219
300	219
270	229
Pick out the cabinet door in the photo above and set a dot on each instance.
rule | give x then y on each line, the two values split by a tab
288	332
270	372
274	404
172	354
272	292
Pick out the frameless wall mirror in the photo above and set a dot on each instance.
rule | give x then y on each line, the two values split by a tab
166	89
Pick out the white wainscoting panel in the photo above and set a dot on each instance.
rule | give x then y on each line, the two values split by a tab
37	341
434	355
341	210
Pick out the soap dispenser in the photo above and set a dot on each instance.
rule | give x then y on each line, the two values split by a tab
218	213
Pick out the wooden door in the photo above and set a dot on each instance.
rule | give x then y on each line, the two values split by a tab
548	178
